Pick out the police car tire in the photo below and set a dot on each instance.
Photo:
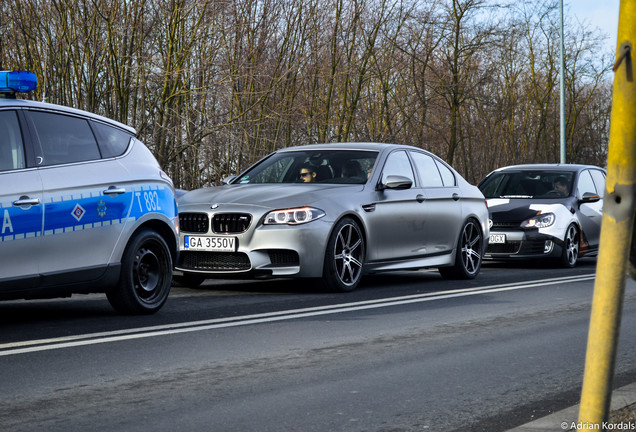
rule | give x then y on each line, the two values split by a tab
146	275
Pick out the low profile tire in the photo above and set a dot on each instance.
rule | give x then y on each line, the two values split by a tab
188	280
470	247
570	248
146	275
344	257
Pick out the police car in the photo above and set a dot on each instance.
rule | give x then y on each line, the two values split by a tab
84	206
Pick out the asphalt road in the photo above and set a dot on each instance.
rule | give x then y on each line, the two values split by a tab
405	352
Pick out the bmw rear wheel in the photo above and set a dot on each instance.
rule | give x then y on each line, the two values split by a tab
146	275
570	248
470	247
344	257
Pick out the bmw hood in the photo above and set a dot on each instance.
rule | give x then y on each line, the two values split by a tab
517	210
266	195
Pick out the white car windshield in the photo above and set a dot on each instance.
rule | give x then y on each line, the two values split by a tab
528	184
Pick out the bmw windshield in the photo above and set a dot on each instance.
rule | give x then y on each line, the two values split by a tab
320	166
528	184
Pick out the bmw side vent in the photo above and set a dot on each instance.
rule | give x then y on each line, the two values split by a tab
231	223
194	222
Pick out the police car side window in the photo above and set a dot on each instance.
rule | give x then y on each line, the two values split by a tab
64	139
112	141
11	146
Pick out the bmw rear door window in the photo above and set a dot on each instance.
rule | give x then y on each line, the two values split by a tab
64	139
447	174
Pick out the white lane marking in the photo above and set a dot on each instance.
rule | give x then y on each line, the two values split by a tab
194	326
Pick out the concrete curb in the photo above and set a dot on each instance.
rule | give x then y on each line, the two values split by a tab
621	398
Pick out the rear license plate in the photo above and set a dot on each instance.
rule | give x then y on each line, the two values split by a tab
497	238
211	244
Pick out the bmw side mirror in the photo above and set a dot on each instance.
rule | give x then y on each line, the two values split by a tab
589	197
396	182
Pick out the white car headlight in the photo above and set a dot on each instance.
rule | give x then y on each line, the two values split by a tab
542	220
293	216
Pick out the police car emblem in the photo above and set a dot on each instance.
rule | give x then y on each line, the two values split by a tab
78	212
101	208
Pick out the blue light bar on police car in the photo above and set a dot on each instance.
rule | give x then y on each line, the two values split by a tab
17	81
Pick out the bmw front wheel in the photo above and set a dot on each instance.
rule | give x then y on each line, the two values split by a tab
344	257
470	247
146	275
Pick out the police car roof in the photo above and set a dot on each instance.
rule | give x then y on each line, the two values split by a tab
22	103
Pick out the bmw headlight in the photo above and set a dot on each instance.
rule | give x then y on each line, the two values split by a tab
541	220
293	216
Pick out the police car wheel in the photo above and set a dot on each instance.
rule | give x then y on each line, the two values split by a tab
146	275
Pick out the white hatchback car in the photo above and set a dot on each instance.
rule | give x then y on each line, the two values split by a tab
544	211
84	206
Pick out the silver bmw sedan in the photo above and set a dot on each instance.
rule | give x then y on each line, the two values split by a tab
334	212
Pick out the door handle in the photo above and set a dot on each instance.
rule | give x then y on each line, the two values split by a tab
420	198
456	197
114	191
26	201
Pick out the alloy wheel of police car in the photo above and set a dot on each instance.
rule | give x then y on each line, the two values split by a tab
344	257
469	253
570	254
146	275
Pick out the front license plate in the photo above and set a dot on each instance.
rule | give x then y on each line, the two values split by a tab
212	244
497	238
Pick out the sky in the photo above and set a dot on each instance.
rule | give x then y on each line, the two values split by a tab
599	13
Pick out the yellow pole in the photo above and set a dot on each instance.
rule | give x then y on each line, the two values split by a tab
616	232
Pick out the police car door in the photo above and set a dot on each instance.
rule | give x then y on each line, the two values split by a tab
20	209
86	203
